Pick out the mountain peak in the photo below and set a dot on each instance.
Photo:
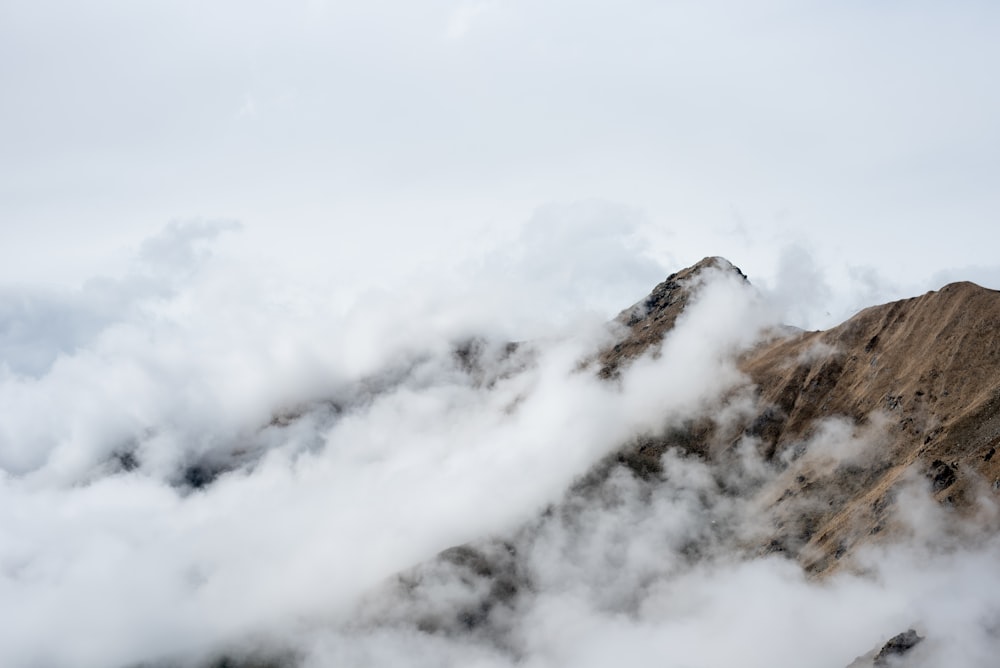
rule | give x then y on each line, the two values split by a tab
649	319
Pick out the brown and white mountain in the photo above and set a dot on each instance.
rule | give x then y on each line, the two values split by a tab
829	447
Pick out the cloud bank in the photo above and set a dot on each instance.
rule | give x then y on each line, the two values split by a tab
195	466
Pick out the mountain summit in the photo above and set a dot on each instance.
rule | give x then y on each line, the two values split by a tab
649	320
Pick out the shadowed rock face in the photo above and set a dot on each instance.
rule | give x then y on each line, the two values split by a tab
895	652
235	659
897	646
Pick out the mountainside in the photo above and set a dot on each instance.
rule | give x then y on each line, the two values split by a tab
843	425
693	484
926	369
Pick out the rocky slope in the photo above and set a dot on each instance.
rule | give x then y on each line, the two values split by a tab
926	369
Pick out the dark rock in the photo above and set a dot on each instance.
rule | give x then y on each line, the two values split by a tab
942	475
647	321
767	427
467	557
127	461
897	646
199	475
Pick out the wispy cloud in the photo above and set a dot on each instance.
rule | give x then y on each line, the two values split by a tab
208	466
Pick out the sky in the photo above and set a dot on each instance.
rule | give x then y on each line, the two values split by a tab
360	144
240	243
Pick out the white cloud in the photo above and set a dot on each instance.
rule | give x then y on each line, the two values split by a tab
411	456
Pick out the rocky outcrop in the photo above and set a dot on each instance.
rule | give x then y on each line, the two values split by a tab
895	652
647	321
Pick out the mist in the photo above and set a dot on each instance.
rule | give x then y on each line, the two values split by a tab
199	461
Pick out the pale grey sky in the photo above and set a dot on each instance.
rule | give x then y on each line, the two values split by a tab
354	140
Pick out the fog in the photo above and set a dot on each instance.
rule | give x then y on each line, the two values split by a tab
200	460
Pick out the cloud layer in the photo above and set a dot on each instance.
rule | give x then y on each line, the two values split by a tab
194	464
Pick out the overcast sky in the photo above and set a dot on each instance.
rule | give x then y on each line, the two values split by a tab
359	143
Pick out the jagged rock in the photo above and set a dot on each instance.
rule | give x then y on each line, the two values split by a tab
892	653
942	475
897	646
648	320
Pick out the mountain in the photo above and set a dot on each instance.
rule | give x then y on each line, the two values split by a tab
926	368
912	387
821	449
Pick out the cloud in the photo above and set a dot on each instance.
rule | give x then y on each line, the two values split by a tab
985	275
97	500
38	325
197	448
215	470
569	259
800	286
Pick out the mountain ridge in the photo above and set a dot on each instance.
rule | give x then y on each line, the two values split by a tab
929	364
831	432
910	386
